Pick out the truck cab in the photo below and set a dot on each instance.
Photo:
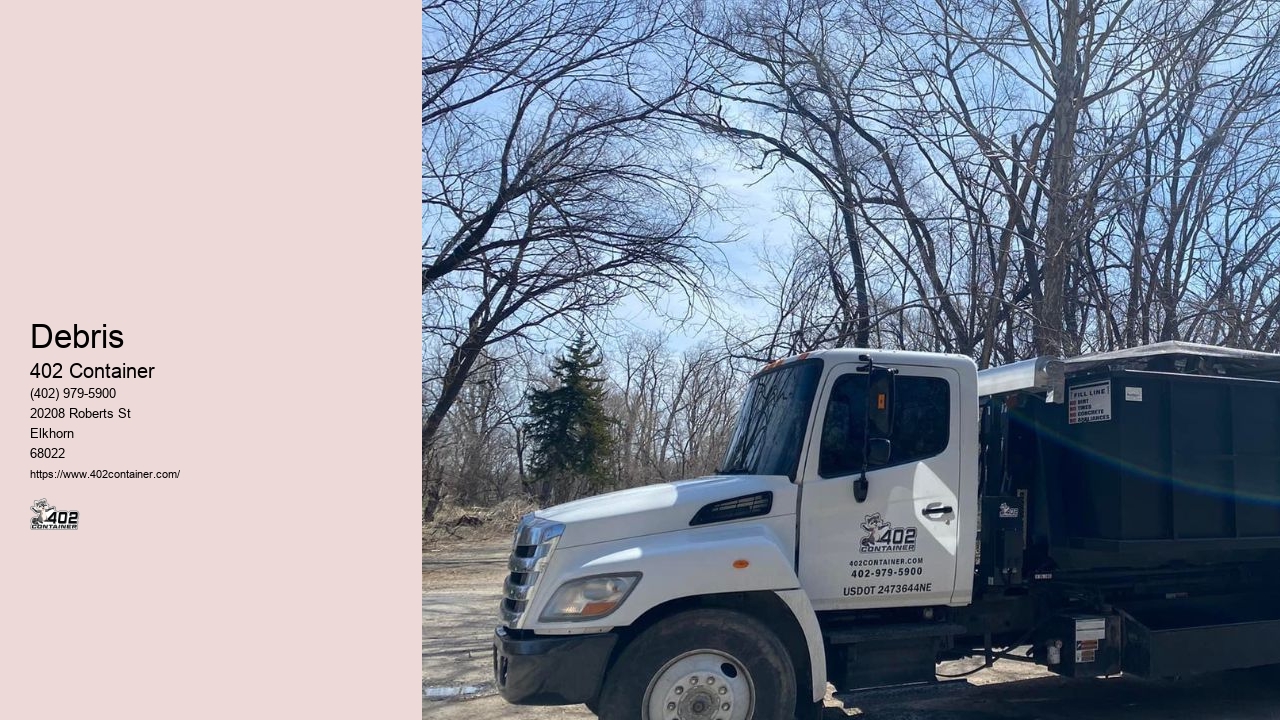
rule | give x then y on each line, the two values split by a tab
849	484
842	540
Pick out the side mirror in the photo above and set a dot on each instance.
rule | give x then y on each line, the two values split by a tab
880	389
879	426
878	451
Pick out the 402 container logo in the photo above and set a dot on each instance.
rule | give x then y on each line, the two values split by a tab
48	517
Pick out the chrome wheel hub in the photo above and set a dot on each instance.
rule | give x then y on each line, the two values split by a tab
701	685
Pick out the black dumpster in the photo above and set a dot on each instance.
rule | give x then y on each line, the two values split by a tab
1142	468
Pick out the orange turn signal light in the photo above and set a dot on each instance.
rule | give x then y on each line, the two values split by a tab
739	564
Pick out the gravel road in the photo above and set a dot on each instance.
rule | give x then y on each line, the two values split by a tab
462	582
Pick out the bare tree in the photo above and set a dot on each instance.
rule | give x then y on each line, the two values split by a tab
673	411
816	85
1075	69
968	151
991	177
552	183
477	457
783	84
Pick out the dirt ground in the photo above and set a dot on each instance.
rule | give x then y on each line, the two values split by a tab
462	582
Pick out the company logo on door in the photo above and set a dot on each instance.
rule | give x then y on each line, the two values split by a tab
883	537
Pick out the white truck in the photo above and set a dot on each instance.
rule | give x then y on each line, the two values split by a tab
878	512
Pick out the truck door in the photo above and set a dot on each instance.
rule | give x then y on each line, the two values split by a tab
897	547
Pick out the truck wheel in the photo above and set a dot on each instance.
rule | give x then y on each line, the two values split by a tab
702	665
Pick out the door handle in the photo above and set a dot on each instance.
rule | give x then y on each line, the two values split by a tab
939	510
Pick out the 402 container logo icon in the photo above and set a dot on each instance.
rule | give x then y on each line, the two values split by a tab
48	517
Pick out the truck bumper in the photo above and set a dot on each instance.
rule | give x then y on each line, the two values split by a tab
550	669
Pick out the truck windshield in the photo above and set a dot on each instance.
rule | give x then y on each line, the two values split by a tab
771	425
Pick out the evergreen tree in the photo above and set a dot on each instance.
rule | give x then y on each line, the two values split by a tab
568	429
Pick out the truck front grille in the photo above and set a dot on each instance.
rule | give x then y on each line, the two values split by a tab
535	539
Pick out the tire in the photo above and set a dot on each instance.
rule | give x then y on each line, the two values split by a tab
691	665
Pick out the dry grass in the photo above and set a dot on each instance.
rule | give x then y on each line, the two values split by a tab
473	523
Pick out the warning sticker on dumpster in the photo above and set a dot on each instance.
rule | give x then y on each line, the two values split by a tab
1086	651
1089	403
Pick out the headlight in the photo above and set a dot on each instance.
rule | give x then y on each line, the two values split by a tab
589	598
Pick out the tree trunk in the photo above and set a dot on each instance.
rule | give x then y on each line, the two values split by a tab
1058	231
862	304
